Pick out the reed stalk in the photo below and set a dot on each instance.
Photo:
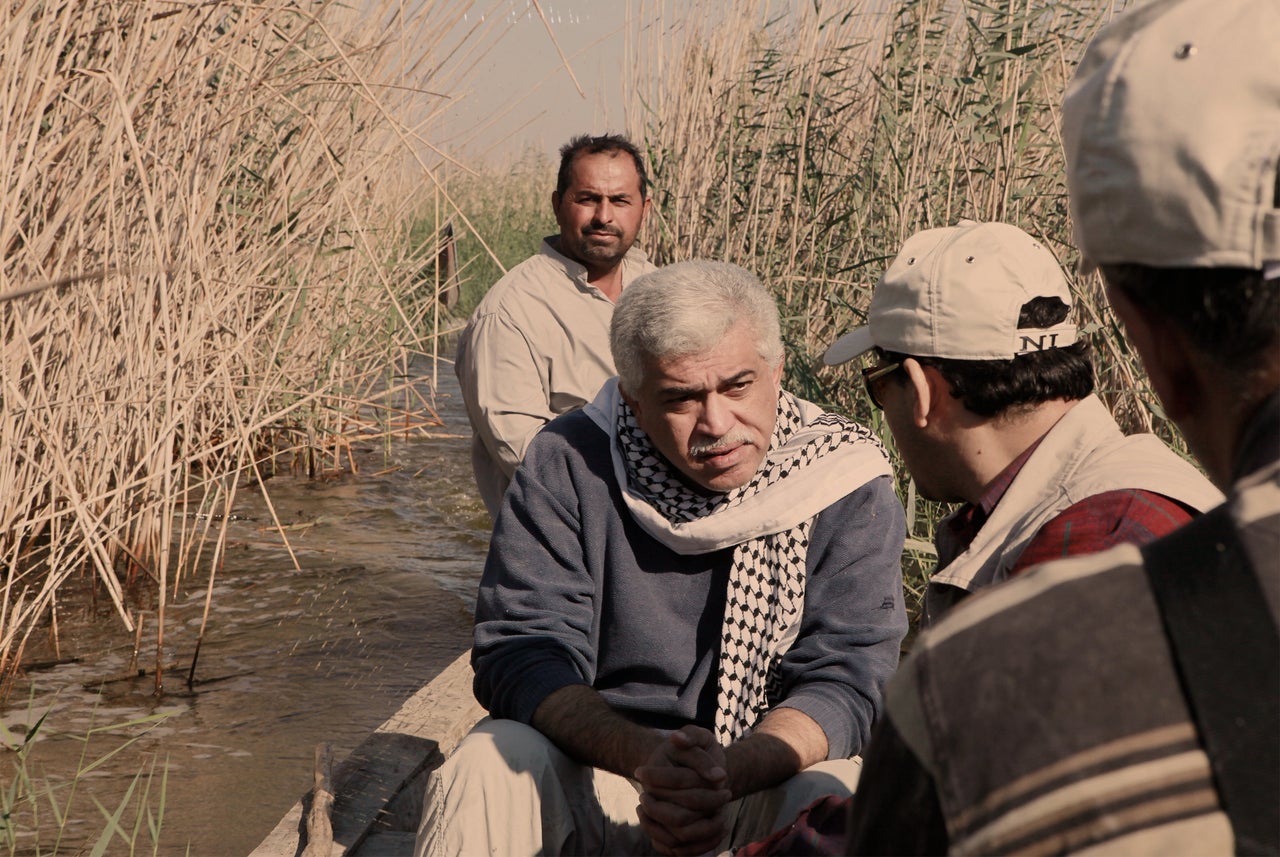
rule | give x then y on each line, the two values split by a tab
204	270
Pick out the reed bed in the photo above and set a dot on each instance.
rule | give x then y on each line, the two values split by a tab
499	214
807	146
205	272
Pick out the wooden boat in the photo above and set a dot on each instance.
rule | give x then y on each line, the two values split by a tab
369	806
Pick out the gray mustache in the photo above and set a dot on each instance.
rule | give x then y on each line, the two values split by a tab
696	450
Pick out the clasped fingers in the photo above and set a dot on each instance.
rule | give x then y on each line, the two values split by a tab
675	829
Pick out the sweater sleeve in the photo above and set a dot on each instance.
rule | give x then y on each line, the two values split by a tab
854	617
535	611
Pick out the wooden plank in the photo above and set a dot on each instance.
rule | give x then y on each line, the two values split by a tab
378	788
387	843
286	839
443	710
319	825
369	780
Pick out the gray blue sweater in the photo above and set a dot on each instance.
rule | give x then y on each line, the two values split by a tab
574	592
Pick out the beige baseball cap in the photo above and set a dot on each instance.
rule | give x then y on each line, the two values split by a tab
956	293
1171	127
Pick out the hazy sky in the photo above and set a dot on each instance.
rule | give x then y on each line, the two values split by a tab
520	94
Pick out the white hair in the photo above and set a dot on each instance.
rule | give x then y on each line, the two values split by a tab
687	308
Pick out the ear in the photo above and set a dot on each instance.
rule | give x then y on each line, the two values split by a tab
777	374
644	212
632	402
555	201
1166	355
923	385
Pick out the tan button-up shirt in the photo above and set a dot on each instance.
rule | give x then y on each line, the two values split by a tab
536	347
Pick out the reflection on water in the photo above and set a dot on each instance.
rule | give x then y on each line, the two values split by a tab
390	559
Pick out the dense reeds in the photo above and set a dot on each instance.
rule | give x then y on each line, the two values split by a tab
499	217
809	145
205	271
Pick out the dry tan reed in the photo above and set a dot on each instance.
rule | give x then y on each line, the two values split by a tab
202	225
811	146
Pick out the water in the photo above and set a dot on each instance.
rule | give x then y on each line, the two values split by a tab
390	559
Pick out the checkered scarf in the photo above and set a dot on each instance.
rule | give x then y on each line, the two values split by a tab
767	580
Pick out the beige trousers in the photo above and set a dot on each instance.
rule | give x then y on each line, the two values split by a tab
507	791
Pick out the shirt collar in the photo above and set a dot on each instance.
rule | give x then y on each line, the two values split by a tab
577	272
997	487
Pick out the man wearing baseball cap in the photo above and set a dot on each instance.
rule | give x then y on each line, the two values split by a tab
989	395
1128	702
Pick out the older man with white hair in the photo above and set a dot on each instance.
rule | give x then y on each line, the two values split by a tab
692	598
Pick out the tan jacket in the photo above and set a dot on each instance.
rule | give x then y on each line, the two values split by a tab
1048	716
1083	455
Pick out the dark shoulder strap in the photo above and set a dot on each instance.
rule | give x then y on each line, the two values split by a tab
1227	652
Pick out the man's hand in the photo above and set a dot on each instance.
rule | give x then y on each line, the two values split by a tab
685	789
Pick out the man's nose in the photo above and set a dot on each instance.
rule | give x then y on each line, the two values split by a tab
716	418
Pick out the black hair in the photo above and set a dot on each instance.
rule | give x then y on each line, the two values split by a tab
992	387
1232	315
586	144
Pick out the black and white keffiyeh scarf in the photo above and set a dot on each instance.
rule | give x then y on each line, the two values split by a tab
814	459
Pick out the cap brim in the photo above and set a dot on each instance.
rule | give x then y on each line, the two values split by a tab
849	346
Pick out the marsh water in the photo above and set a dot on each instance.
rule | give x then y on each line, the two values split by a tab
390	557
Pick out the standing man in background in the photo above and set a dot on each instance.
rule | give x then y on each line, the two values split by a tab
538	343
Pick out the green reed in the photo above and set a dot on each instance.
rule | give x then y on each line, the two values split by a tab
499	216
44	813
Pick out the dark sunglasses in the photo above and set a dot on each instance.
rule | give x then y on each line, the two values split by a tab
871	375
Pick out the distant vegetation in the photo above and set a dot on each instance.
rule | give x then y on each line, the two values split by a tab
500	216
